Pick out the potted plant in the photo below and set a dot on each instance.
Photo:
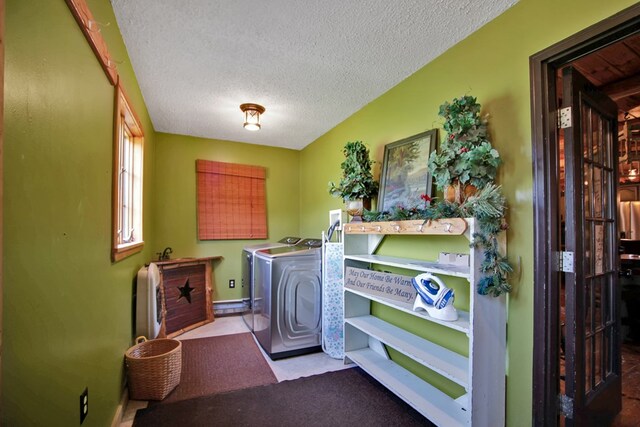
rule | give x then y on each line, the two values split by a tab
357	185
466	160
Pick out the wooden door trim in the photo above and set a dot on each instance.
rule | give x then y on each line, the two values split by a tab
542	67
2	41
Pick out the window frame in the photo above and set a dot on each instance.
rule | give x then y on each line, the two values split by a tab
126	122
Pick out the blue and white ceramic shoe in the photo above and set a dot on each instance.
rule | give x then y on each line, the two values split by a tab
434	297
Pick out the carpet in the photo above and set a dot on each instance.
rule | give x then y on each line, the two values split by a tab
219	364
341	398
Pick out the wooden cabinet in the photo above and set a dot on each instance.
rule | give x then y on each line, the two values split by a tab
186	290
480	372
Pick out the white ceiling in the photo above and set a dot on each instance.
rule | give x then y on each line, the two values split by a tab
311	64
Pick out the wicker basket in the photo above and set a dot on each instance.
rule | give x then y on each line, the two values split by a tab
153	368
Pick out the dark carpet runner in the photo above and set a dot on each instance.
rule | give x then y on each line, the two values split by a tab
344	398
219	364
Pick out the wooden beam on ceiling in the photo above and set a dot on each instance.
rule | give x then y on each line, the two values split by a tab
623	88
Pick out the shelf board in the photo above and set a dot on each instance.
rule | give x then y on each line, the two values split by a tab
425	398
447	363
415	264
445	227
461	325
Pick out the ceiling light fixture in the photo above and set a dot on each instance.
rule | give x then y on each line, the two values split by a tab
252	116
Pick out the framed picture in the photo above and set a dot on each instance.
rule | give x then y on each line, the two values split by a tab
405	175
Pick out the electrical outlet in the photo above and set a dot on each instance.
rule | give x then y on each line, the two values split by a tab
232	283
84	404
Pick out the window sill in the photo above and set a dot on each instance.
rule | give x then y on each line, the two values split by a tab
123	251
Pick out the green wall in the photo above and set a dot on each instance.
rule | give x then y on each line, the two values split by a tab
491	64
67	309
175	193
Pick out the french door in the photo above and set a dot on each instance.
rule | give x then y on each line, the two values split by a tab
592	394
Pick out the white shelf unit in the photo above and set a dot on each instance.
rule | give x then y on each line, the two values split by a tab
481	374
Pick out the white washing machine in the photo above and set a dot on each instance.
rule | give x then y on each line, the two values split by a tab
288	299
248	254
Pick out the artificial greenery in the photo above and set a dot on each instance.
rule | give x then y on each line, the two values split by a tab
488	207
357	181
466	154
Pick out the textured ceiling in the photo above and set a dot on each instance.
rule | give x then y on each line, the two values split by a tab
311	64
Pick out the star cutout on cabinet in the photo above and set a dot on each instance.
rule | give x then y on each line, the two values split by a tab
185	291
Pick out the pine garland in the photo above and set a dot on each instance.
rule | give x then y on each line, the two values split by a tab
487	206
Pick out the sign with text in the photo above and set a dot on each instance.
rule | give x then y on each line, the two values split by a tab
378	283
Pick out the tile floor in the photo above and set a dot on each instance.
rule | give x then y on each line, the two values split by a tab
630	413
284	369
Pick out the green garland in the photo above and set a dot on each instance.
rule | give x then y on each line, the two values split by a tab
487	206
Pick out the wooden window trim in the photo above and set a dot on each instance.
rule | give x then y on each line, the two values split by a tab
89	27
124	114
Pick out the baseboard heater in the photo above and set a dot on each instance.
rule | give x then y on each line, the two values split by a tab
221	308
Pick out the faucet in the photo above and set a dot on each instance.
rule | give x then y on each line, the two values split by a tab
165	255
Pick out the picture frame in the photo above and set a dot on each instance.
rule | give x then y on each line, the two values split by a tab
405	175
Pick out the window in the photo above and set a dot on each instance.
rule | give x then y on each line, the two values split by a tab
127	179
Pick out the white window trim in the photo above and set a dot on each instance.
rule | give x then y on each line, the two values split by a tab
126	116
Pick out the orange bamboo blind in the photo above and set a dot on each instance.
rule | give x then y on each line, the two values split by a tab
231	201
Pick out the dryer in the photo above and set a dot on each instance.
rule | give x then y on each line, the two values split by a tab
247	268
288	299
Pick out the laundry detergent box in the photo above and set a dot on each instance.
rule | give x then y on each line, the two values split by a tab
381	284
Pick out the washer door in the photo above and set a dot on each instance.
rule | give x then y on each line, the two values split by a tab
299	310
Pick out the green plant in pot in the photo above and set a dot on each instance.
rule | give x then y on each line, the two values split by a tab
466	160
357	185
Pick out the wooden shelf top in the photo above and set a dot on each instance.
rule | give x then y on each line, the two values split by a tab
445	226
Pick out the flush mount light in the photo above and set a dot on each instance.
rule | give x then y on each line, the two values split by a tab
252	115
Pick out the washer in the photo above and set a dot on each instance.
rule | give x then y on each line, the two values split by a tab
248	254
288	299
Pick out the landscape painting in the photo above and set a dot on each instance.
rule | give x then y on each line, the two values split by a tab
405	175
